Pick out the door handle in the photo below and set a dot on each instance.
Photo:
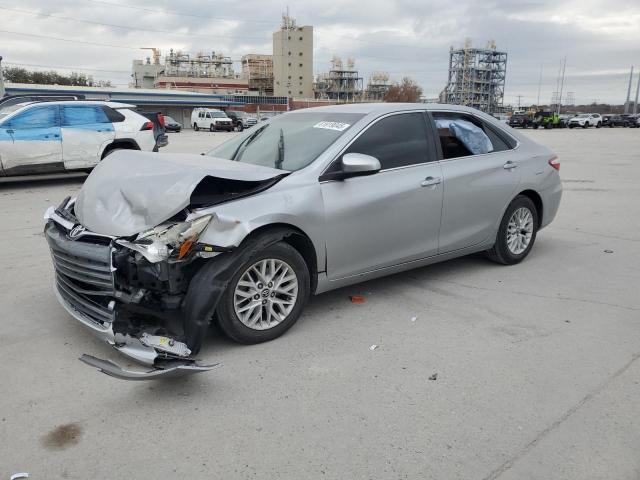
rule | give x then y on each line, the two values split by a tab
430	181
509	165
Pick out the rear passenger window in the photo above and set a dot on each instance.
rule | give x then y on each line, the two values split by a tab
113	115
464	135
397	141
83	115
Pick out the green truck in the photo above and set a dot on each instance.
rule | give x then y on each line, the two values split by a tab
548	120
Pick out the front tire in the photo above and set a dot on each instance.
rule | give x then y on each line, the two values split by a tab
195	127
240	127
212	128
599	124
585	125
517	232
266	295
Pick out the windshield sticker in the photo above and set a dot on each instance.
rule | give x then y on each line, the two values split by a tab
340	127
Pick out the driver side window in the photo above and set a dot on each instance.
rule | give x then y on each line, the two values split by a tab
397	141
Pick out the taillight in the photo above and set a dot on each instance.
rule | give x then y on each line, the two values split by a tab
147	126
553	161
161	119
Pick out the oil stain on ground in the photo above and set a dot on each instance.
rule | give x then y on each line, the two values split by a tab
63	436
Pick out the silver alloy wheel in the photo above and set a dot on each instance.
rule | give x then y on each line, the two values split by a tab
519	230
265	294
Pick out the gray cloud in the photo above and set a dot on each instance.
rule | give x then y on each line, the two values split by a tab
403	37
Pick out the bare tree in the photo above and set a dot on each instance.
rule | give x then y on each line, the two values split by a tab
406	91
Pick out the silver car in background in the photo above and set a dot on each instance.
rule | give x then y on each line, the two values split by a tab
157	246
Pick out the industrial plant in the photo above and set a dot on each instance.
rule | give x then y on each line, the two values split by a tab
477	77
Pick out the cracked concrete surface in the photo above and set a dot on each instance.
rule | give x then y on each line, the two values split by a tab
537	364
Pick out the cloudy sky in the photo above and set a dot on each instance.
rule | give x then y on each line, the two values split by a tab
403	37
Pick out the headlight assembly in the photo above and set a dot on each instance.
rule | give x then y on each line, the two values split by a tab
168	240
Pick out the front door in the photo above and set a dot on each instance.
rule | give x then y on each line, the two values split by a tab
86	130
30	142
393	216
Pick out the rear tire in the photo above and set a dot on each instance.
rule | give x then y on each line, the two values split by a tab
517	232
235	298
240	127
195	127
599	124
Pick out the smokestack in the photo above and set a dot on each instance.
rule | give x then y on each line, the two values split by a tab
626	104
635	103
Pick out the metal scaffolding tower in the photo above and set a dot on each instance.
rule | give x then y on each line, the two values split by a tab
477	77
377	87
340	83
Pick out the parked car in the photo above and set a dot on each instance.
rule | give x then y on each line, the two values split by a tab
209	118
309	201
46	137
159	130
615	120
521	121
633	121
586	120
171	125
241	120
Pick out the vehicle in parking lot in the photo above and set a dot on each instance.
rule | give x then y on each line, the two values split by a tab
9	100
241	120
615	120
48	137
211	119
633	121
309	201
171	125
547	120
522	121
586	120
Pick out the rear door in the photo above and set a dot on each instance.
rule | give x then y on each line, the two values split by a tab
480	178
390	217
30	142
86	130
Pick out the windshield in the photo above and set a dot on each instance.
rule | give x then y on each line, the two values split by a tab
288	142
168	119
217	115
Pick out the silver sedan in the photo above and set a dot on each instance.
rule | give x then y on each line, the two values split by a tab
157	246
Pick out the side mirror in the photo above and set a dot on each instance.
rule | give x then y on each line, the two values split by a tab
359	164
353	165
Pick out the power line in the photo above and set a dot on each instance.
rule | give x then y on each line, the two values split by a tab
180	14
193	15
82	42
68	67
125	27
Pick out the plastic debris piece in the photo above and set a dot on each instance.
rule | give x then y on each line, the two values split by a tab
358	299
608	251
15	476
373	347
413	319
433	377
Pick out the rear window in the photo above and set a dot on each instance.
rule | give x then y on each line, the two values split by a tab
463	135
83	115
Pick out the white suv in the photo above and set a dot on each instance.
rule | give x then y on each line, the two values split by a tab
586	120
50	137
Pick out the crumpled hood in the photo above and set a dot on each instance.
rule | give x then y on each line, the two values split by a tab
131	191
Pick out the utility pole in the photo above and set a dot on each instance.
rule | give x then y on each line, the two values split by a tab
519	98
626	104
2	92
635	104
539	85
564	66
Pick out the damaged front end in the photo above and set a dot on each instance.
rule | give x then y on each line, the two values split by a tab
130	291
126	250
